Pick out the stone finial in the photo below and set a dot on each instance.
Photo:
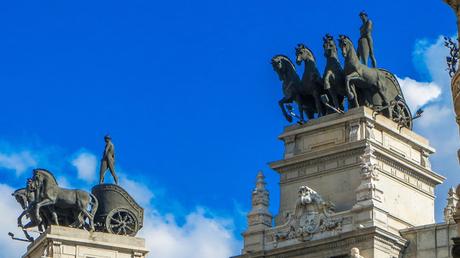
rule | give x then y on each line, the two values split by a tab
259	214
449	210
260	182
354	253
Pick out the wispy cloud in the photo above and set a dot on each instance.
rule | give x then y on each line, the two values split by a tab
18	162
142	193
418	94
201	236
86	164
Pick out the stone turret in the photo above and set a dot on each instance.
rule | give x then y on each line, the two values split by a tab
259	218
449	210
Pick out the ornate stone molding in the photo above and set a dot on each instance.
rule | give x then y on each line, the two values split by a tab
368	190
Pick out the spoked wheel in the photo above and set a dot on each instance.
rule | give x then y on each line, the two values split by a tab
122	221
401	114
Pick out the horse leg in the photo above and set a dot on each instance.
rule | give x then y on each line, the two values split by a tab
38	206
54	215
318	103
90	218
332	90
20	218
351	94
334	97
283	109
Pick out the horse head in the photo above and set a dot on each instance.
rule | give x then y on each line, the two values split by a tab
330	49
345	45
277	66
21	197
284	67
303	53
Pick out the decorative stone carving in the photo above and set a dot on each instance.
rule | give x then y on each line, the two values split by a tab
425	161
449	210
368	190
370	129
312	215
354	253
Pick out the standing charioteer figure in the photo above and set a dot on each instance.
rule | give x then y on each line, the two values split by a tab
365	43
108	160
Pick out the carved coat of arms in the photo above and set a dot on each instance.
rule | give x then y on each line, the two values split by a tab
311	215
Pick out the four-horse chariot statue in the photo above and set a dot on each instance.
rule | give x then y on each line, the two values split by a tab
118	212
350	85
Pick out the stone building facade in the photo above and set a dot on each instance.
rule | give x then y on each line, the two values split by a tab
353	180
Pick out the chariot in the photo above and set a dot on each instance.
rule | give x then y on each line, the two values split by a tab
118	212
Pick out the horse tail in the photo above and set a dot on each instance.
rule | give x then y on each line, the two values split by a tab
94	205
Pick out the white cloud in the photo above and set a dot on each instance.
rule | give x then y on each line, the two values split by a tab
430	60
201	236
417	94
435	115
438	121
17	161
8	223
86	164
140	192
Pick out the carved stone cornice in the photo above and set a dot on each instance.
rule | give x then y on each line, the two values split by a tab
364	237
317	157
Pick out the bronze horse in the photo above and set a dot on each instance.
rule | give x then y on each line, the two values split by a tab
312	84
373	82
333	76
50	195
292	88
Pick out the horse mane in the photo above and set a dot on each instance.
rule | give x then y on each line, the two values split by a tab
286	59
345	37
301	45
46	172
18	190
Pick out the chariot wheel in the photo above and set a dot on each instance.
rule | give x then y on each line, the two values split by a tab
401	114
122	221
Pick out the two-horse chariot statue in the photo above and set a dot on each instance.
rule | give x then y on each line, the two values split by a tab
109	208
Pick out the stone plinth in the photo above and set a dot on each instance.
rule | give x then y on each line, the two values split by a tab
348	180
65	242
327	155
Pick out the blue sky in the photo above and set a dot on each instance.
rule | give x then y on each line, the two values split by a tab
186	90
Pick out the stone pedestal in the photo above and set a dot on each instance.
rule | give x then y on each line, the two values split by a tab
65	242
368	179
